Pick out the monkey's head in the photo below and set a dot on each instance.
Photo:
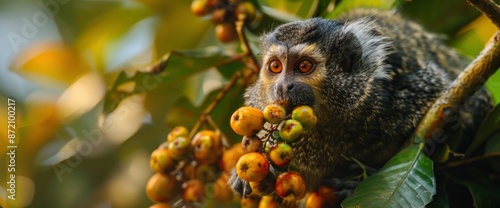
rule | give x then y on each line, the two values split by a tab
320	63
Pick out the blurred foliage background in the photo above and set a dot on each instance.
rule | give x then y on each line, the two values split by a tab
59	58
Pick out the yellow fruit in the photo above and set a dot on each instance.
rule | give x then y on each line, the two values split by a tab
315	201
206	147
162	188
222	191
252	167
161	161
160	205
274	113
180	148
247	121
281	154
226	32
176	132
200	7
193	191
290	185
265	186
251	201
269	202
230	157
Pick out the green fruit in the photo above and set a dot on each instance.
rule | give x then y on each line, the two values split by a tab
281	154
274	113
180	148
291	130
305	115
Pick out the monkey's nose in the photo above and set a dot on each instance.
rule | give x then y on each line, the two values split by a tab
290	87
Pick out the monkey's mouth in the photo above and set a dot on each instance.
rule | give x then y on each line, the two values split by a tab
293	95
285	104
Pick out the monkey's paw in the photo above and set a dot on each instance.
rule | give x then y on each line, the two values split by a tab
238	185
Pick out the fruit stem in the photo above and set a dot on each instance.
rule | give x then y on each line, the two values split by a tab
225	142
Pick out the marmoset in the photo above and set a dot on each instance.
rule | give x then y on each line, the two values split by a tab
370	76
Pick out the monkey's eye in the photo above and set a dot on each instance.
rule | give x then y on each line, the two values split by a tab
305	66
275	66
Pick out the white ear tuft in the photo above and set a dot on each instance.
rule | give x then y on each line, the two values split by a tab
374	48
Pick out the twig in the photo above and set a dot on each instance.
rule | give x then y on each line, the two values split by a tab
473	77
215	101
195	128
254	65
221	94
225	143
160	65
488	8
469	161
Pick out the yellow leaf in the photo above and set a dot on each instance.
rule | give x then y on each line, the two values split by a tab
50	61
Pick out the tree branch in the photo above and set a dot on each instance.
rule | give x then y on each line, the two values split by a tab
253	64
488	8
466	84
469	161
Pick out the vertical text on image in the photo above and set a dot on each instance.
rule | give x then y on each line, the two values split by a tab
11	148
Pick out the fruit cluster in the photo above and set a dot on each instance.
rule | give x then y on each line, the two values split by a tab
224	13
188	169
268	144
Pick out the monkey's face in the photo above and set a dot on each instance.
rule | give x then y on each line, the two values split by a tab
318	62
293	75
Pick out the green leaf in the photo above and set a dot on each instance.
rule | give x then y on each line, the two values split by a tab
440	200
493	146
325	7
175	68
407	180
279	15
484	192
308	8
345	6
447	16
489	125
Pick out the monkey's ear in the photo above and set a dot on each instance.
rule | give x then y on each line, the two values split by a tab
350	51
364	46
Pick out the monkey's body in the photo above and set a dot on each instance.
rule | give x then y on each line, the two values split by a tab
375	75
